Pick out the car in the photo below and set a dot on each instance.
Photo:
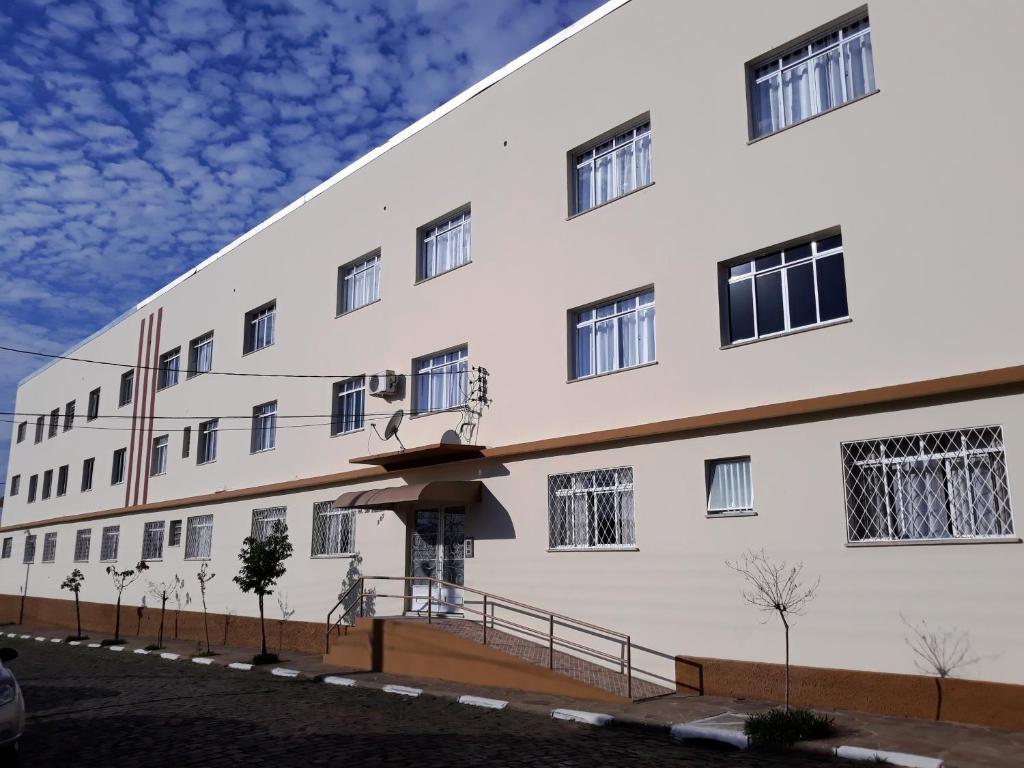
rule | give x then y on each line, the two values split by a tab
12	704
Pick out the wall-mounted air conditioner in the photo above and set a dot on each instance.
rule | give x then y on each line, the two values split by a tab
383	384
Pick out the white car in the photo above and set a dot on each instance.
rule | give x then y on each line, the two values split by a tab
12	705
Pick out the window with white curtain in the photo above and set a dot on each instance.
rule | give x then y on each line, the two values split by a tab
170	363
124	393
158	464
442	380
153	540
613	168
83	539
359	283
50	547
206	444
730	490
591	510
199	537
200	355
348	407
937	485
614	335
259	327
811	78
264	427
108	543
263	521
333	530
445	246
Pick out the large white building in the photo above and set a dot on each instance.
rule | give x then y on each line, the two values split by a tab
819	207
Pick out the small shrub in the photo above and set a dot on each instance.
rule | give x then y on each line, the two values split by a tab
113	641
265	658
779	728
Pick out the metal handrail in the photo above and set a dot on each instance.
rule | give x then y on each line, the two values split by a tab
341	599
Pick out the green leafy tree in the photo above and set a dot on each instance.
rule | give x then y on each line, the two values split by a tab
122	580
262	565
73	583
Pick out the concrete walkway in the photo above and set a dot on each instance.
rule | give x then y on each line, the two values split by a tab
959	746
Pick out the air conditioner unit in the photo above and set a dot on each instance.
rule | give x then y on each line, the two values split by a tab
383	384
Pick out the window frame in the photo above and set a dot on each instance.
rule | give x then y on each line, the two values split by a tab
460	219
426	367
7	548
47	490
118	467
206	442
320	535
63	473
49	547
576	324
159	451
196	347
15	485
174	529
709	477
193	525
22	431
257	328
571	491
263	438
348	389
92	410
40	429
608	144
153	536
69	415
110	537
29	552
54	425
370	262
88	470
126	390
263	521
169	375
82	543
33	488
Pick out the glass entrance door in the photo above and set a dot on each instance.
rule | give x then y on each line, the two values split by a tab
437	549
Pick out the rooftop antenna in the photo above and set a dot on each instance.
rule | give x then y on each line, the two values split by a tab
391	430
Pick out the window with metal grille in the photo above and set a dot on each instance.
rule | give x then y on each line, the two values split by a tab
591	510
15	484
170	367
264	427
730	489
263	521
33	483
186	442
937	485
83	539
348	405
50	547
124	392
153	540
259	327
22	429
174	533
69	415
54	422
333	530
87	469
47	483
40	425
30	549
812	77
199	537
93	411
613	168
206	450
117	466
614	335
200	355
444	246
442	380
788	289
62	480
108	543
359	283
8	546
158	463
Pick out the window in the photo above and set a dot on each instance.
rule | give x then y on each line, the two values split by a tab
442	380
22	429
50	547
444	246
264	427
333	530
349	406
47	483
729	487
30	549
83	538
108	543
54	423
613	168
94	405
62	480
153	540
170	364
87	469
200	355
591	510
938	485
811	78
174	534
199	538
15	484
615	335
124	394
359	283
263	521
40	421
796	287
186	442
158	464
69	415
33	482
117	467
259	328
8	546
206	451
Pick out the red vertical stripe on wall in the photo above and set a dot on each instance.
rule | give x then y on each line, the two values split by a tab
152	404
142	410
135	412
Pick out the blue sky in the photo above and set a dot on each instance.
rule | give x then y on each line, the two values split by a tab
137	137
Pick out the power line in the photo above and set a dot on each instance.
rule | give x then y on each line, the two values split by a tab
187	418
219	429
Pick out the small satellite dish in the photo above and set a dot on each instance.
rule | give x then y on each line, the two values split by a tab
391	430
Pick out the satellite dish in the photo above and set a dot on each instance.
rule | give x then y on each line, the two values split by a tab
391	430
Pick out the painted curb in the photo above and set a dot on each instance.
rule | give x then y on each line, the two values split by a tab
479	701
56	640
402	690
170	656
684	731
202	660
141	651
11	634
94	645
116	647
335	680
74	642
284	672
40	639
894	758
240	665
579	716
24	637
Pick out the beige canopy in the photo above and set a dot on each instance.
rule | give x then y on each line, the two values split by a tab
438	493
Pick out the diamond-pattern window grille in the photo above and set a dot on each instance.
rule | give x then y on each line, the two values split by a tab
334	530
153	540
108	543
199	537
937	485
50	547
591	510
83	539
263	521
30	549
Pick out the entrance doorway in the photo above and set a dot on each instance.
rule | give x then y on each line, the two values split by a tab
437	549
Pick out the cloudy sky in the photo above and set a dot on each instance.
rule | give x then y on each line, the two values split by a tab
138	137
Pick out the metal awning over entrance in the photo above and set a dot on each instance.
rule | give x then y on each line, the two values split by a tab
438	493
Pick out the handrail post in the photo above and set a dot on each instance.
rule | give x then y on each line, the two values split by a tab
362	594
430	602
551	641
629	668
485	619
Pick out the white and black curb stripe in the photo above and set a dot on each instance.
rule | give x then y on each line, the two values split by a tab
685	731
40	639
579	716
348	682
56	640
116	647
141	651
240	665
284	672
74	642
25	637
402	690
202	660
893	758
170	656
94	645
479	701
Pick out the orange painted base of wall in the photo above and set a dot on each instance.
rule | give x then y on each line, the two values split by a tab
225	629
1000	705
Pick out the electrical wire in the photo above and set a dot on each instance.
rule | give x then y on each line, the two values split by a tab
197	417
219	428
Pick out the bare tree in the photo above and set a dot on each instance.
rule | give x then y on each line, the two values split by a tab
938	652
178	602
122	580
205	577
286	613
775	587
163	591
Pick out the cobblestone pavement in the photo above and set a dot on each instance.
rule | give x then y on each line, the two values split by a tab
93	707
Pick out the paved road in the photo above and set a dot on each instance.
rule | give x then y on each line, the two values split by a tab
92	707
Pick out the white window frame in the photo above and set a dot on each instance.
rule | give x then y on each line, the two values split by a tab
15	484
587	317
357	281
8	548
580	489
263	521
437	370
83	543
33	488
47	491
88	471
158	465
92	411
69	415
49	547
739	487
206	442
346	417
200	355
260	325
126	390
153	540
264	428
199	537
456	226
170	367
174	527
332	526
117	466
109	542
63	473
54	423
22	431
29	555
629	141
